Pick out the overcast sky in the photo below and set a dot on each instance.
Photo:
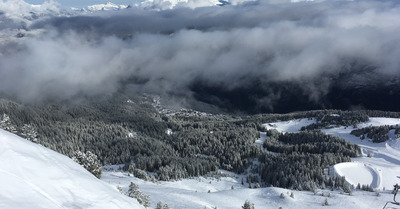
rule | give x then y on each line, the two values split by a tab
166	52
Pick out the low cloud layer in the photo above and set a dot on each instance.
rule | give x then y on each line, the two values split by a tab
186	53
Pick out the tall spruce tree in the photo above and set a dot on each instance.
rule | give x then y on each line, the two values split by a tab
141	197
89	161
248	205
5	123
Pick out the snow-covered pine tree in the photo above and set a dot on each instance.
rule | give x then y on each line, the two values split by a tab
120	189
133	190
89	161
325	203
141	197
5	123
248	205
29	132
159	205
146	200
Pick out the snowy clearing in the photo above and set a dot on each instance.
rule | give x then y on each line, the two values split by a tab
260	141
292	126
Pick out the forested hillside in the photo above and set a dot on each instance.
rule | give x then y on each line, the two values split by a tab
129	130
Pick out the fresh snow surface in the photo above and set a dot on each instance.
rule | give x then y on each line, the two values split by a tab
381	170
193	194
361	173
35	177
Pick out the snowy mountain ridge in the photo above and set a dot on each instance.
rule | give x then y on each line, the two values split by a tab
105	7
172	4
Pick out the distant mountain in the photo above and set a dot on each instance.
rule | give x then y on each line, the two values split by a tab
37	178
105	7
162	5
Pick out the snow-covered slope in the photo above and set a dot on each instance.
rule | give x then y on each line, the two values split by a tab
35	177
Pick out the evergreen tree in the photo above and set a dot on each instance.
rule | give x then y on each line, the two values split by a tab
146	200
5	123
248	205
141	197
29	132
159	205
119	189
325	203
133	190
89	161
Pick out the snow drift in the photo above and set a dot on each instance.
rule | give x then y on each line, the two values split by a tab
35	177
